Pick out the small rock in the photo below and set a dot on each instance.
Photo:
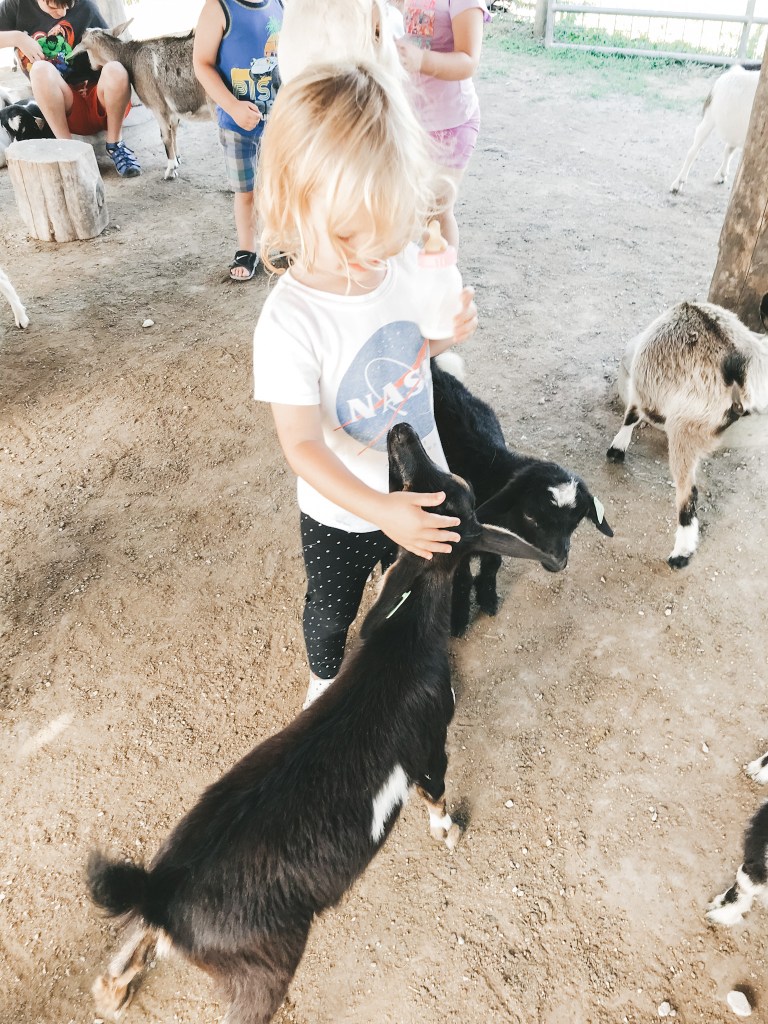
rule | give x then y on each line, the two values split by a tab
509	803
665	1009
704	748
148	323
739	1003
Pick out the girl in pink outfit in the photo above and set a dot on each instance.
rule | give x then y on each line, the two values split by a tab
441	51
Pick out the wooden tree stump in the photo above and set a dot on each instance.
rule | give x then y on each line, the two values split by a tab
58	189
741	275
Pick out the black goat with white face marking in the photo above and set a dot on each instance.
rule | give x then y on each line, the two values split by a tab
286	832
24	121
540	501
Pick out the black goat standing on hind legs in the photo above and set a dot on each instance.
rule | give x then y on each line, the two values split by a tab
286	832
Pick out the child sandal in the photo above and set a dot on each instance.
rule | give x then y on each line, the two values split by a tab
248	261
124	159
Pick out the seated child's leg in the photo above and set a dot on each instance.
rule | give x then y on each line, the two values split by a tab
338	564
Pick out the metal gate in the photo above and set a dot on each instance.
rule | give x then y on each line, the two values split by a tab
742	43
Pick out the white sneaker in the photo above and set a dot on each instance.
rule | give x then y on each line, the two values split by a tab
316	687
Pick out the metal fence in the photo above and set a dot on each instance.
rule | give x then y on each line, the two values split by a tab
738	50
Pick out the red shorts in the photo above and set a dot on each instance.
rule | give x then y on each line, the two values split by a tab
87	116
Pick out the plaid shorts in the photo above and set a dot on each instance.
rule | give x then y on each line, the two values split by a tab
241	154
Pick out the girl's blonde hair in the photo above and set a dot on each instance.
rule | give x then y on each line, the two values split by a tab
341	139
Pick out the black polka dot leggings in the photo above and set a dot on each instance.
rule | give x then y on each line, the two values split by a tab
338	564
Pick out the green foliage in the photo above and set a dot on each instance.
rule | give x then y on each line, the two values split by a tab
509	40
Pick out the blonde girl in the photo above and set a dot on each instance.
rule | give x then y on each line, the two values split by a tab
345	184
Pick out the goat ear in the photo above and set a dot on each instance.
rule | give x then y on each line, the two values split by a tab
119	29
495	540
596	513
398	580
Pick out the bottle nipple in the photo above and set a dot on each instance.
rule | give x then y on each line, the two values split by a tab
435	241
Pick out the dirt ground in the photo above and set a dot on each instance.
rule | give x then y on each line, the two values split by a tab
152	585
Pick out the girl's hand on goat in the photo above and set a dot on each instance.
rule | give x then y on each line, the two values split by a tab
29	47
246	114
404	520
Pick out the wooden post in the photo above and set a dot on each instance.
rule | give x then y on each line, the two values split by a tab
741	275
540	19
58	189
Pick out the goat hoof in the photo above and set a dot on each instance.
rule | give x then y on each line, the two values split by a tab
112	998
488	604
459	628
675	187
615	454
720	912
678	561
453	836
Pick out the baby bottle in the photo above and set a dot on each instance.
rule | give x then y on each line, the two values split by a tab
440	286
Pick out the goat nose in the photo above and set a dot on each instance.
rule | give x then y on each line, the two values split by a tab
554	564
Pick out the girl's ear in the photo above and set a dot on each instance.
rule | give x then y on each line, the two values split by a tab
395	591
495	540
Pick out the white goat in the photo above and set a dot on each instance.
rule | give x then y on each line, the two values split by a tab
693	372
338	32
161	72
7	289
727	109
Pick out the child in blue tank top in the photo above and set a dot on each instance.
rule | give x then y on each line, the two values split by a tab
235	60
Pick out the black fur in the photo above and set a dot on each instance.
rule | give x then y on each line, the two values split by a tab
688	511
24	121
285	832
512	490
734	368
756	847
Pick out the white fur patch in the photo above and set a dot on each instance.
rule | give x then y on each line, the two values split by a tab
392	794
757	770
686	540
564	494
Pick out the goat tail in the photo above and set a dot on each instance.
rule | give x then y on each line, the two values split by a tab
119	887
451	362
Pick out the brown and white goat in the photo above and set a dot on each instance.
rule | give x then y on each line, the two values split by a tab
161	72
286	832
693	372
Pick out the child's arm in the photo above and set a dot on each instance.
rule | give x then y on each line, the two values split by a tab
400	514
23	42
451	67
210	29
465	323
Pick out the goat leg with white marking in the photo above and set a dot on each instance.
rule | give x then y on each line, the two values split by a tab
751	879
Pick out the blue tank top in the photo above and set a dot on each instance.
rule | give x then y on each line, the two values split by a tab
247	57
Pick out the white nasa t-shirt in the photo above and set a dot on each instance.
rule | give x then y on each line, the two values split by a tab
362	359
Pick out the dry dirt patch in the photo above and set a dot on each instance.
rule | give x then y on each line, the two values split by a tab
152	583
